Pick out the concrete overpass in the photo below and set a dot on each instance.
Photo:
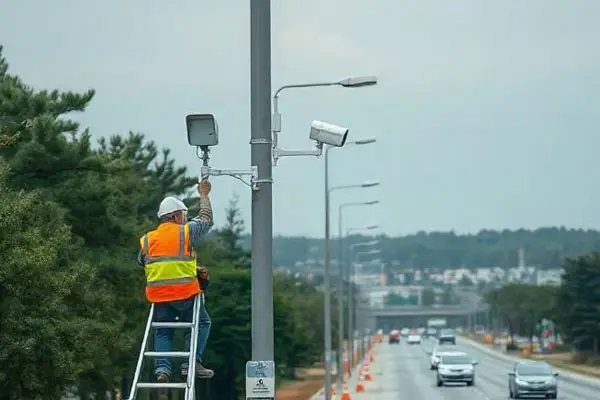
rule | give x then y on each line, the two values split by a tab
387	318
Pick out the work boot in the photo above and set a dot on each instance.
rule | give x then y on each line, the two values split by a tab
201	372
163	393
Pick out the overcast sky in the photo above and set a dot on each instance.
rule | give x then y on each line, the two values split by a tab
487	113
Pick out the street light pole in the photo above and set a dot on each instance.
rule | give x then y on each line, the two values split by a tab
327	289
348	278
352	82
351	304
345	277
340	287
262	200
340	374
355	262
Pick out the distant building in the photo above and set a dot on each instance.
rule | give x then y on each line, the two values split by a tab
549	277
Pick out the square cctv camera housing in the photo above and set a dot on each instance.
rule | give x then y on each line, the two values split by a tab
329	134
202	130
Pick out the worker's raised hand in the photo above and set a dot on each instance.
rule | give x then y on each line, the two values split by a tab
204	187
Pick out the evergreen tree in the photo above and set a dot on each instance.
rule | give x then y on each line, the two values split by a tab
578	301
71	296
230	235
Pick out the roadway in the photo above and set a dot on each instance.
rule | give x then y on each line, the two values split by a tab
401	372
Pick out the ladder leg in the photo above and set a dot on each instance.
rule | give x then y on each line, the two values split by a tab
191	378
138	368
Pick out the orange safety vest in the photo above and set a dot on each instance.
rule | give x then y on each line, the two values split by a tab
170	263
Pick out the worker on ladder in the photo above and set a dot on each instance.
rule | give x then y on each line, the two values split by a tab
172	277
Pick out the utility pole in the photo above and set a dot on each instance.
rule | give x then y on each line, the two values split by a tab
262	199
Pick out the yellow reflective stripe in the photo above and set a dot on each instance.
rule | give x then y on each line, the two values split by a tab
170	270
170	281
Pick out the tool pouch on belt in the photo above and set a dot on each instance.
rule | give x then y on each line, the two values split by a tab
203	283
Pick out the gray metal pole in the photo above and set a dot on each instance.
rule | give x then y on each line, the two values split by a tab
351	309
361	337
340	290
262	199
327	284
348	264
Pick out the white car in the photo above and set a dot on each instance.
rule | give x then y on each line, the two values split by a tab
414	339
404	332
455	367
435	356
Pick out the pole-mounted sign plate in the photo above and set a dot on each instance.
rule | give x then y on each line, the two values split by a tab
260	380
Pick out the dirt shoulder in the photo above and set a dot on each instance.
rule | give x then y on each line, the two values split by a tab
309	382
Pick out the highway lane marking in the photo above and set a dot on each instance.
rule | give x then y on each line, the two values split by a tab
474	389
482	394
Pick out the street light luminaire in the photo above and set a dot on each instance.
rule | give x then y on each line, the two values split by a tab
358	81
363	141
371	202
370	184
371	227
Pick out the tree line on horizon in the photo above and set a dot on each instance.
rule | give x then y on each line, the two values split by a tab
573	306
72	304
545	248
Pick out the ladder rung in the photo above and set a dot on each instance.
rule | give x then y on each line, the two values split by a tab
144	385
166	354
172	325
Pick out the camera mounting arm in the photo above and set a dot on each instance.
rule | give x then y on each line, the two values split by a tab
279	152
239	174
321	132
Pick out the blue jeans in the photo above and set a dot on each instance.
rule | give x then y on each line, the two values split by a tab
179	311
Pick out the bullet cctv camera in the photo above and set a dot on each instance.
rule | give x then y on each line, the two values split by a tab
325	133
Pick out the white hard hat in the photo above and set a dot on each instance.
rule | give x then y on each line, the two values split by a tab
170	205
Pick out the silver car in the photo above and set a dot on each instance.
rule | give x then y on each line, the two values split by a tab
532	378
455	367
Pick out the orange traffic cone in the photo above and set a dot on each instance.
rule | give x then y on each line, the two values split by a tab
368	376
360	387
346	392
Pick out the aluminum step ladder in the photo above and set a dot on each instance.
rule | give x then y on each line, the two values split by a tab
189	385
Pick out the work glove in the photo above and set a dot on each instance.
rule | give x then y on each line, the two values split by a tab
204	187
202	273
203	276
